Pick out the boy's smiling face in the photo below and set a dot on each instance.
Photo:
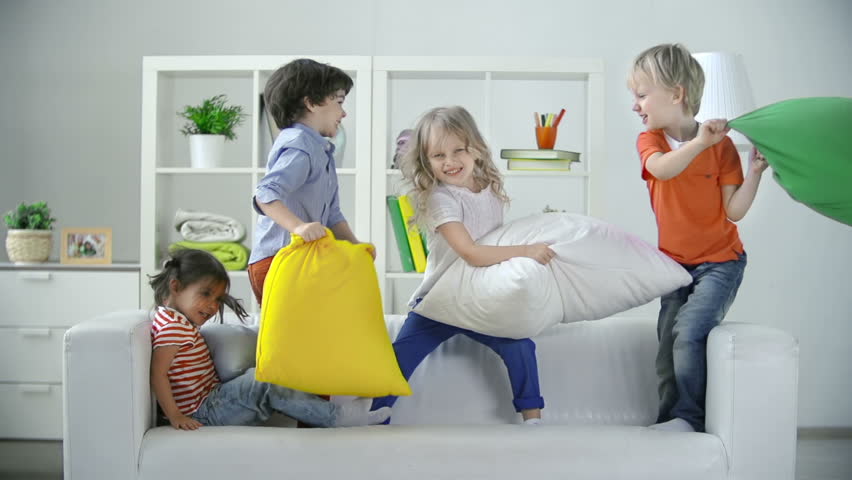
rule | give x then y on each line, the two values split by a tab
326	117
659	107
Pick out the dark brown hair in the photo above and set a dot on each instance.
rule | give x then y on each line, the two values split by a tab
287	89
189	266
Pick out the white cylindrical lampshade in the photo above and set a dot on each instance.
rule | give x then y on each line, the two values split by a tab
727	92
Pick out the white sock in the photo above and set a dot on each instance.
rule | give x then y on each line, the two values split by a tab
532	421
673	425
357	412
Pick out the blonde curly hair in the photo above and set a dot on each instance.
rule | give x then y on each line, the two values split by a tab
436	125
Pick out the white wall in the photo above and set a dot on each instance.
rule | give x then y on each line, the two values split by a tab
71	92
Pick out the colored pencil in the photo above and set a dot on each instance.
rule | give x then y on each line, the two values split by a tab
559	117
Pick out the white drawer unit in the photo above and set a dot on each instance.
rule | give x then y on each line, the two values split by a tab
50	298
31	354
40	303
31	411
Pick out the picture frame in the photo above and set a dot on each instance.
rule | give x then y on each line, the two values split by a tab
86	246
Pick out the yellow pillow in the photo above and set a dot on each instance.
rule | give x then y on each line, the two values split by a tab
322	329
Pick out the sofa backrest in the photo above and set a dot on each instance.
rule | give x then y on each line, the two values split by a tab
599	372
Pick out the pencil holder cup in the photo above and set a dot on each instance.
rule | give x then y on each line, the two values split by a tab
545	137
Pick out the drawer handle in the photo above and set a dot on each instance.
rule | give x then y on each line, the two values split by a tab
34	332
34	388
41	276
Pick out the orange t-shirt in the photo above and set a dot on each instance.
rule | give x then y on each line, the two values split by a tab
691	220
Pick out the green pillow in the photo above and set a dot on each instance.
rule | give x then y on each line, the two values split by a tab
808	144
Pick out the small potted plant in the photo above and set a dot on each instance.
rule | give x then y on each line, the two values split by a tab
30	237
208	126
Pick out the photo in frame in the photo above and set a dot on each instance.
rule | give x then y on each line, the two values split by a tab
86	246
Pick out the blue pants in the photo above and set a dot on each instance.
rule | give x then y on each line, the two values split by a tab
245	401
686	317
420	336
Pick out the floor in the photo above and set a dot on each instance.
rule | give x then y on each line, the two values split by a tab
822	455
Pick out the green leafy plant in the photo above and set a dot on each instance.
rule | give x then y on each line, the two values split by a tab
212	117
30	217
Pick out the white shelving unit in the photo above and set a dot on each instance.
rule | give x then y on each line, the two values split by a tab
501	93
389	94
168	182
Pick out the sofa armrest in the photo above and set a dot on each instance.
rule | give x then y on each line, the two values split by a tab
752	397
107	405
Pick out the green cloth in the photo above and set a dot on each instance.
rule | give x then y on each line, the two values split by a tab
234	256
808	144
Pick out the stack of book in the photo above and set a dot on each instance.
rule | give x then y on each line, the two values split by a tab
538	160
411	244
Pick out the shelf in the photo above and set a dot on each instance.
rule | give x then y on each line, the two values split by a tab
231	273
208	171
389	94
517	173
543	173
409	275
230	171
67	266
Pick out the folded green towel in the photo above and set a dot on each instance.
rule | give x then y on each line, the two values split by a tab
234	256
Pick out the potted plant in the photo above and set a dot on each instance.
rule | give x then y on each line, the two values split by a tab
29	238
208	126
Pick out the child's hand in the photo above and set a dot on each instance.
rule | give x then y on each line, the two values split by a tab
713	131
540	252
372	250
182	422
310	231
756	162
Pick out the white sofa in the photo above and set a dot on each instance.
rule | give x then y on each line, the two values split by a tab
597	379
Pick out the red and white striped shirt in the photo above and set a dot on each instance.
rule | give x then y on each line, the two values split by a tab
191	374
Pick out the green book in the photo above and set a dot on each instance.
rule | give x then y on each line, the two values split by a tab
540	154
400	233
535	165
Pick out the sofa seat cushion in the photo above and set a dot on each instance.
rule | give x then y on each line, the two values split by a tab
591	373
431	451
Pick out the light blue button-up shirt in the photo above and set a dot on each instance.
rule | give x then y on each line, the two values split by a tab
301	174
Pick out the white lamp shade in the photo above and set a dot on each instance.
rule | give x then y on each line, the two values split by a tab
727	92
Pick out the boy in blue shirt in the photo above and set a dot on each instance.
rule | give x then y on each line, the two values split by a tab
299	193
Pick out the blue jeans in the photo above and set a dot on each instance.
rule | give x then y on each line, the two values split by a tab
686	317
420	336
245	401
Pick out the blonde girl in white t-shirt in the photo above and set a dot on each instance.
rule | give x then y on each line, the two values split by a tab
459	197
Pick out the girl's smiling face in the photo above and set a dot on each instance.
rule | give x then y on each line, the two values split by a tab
198	301
451	160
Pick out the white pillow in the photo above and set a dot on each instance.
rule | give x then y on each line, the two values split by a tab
233	348
599	270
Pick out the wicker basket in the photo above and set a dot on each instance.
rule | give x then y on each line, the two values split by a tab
28	246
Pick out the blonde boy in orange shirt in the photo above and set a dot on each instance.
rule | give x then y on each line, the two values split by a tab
697	191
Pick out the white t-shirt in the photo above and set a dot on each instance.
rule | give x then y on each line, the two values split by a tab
674	144
479	212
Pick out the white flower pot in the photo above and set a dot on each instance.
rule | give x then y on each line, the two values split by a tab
28	246
206	151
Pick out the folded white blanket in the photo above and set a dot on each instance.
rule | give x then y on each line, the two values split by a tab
208	227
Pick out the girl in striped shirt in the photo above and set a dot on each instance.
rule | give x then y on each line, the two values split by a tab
192	288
